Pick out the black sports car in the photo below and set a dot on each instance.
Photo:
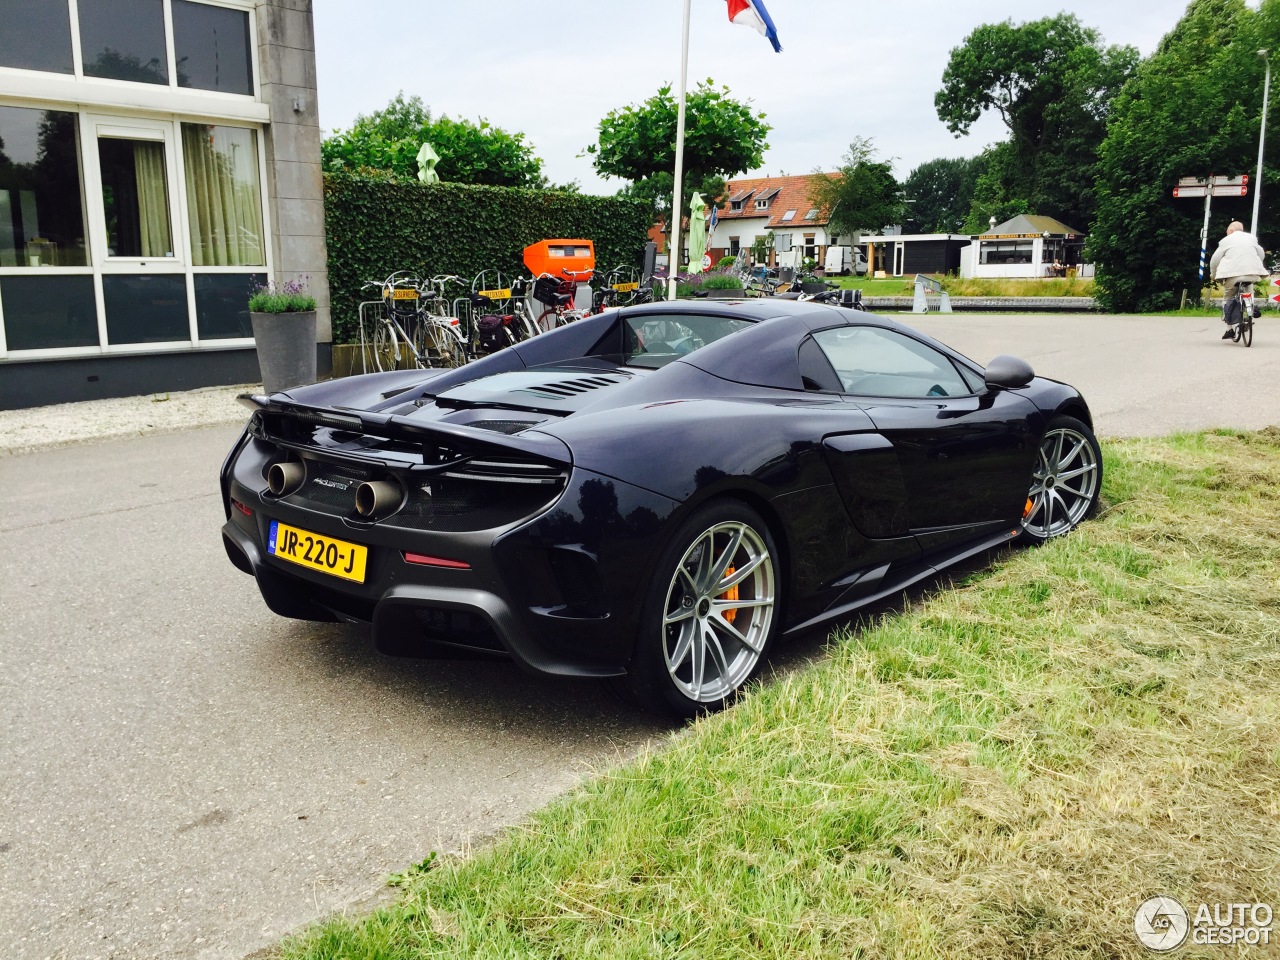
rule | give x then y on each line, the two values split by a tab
655	493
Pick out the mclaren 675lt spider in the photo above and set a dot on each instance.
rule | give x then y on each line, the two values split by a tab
656	494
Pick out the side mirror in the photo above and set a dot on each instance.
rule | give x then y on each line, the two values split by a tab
1008	372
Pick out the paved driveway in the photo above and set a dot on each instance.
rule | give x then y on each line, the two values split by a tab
1142	376
184	775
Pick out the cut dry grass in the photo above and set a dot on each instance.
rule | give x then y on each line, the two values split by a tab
1007	769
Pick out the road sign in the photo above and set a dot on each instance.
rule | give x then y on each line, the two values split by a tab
1217	186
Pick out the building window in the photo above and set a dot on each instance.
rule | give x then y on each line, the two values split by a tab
735	206
124	40
810	247
762	204
36	35
47	312
222	304
211	45
1007	252
788	216
812	214
41	201
146	309
135	197
735	246
224	196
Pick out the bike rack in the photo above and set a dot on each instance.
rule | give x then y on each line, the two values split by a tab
923	286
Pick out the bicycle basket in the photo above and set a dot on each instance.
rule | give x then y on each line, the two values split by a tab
552	292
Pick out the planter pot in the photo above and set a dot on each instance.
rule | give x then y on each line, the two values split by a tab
286	348
714	294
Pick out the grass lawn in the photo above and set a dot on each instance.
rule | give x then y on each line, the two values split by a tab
1006	769
976	287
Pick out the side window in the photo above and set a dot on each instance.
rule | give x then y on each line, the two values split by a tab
874	362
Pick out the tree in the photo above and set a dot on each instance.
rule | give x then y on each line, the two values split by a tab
1052	82
940	193
862	196
1192	109
475	153
723	138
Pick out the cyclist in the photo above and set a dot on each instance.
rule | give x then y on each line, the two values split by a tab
1237	260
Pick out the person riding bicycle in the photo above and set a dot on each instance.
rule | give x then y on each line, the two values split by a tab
1237	260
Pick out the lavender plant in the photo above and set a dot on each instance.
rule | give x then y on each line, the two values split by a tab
289	297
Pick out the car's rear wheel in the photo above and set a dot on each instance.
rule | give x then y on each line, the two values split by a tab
1066	481
711	613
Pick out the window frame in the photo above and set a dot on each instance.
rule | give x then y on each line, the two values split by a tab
106	84
88	121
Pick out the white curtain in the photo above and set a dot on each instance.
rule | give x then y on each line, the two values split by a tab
224	196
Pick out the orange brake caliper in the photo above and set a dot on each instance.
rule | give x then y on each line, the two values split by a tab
730	594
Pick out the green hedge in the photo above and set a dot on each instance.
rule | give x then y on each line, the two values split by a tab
375	226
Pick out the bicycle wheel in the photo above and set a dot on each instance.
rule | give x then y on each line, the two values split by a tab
1246	331
442	347
386	347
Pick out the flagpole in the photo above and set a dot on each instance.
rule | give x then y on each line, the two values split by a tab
673	254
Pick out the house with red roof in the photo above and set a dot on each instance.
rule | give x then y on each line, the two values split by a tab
779	209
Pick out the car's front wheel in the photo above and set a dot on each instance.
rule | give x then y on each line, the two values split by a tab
1066	481
711	613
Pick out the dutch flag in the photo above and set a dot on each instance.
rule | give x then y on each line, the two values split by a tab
751	13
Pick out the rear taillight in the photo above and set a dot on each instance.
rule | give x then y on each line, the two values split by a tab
242	508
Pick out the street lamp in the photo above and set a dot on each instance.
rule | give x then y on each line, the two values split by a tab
1262	139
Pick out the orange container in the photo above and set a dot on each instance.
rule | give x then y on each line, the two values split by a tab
557	256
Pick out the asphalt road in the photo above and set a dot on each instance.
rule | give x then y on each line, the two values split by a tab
184	775
1142	376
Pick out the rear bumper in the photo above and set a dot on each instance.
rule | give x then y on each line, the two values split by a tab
558	593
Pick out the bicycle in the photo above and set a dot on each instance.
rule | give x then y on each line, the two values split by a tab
441	334
1245	309
395	318
556	294
499	315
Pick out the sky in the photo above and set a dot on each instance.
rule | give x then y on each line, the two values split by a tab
553	68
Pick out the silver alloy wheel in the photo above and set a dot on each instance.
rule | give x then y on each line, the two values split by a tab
712	639
1064	484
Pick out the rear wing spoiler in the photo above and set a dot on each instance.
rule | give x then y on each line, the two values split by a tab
419	447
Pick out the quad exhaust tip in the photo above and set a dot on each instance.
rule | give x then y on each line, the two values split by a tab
284	478
377	498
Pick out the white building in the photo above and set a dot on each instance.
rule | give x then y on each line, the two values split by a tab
778	209
1026	246
158	158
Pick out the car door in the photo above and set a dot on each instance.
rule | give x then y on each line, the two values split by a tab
964	451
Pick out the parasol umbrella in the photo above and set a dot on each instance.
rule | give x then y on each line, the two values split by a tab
697	232
427	160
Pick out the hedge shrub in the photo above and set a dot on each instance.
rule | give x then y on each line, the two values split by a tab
377	225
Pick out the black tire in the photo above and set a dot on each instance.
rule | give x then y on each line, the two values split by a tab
699	644
1066	481
1246	331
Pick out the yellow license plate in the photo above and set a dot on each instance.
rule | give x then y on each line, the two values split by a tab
334	557
404	294
626	287
495	294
